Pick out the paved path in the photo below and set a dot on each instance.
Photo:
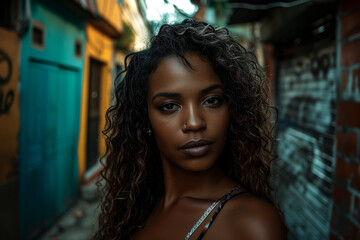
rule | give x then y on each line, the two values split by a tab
80	222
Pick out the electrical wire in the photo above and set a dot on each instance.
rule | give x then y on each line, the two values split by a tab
267	6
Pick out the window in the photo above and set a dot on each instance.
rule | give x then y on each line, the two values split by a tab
78	46
38	35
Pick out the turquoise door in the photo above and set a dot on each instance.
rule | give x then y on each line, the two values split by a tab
50	113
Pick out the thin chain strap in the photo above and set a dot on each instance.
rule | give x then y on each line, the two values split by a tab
207	212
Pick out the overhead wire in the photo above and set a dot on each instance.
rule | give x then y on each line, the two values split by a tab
267	6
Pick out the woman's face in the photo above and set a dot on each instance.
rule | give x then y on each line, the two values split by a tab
188	113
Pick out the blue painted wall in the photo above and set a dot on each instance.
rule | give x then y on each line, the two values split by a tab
50	93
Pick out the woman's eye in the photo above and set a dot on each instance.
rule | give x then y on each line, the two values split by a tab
211	101
169	107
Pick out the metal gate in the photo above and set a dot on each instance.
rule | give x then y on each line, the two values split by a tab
306	97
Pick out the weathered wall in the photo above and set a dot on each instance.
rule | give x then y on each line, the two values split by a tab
50	93
110	11
306	96
9	104
345	222
9	130
99	47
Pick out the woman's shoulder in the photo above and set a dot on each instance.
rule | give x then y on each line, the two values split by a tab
249	217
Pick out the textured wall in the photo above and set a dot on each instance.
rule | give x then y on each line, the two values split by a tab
50	77
9	130
306	97
100	47
9	104
110	11
345	222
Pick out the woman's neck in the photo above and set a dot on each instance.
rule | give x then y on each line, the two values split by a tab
180	183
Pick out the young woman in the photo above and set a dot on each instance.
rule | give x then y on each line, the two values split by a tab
189	142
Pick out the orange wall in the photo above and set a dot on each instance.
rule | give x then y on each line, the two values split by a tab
9	104
99	47
110	11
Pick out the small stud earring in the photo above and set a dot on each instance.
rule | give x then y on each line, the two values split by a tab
149	132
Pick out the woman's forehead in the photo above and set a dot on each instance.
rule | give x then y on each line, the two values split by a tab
173	75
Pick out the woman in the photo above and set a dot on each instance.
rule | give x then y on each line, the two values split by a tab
189	142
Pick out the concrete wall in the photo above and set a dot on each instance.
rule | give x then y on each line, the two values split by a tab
345	222
9	104
9	130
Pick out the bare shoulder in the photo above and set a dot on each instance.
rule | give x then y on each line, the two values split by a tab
249	217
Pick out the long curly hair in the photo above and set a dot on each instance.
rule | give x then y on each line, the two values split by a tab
132	167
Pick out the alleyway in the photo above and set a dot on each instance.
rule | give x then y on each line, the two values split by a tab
80	221
59	62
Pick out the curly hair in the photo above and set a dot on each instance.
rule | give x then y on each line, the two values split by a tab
132	166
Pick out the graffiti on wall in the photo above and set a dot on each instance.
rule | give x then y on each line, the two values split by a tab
6	96
9	105
306	101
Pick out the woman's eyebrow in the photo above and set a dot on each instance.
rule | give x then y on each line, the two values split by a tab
172	94
208	89
165	94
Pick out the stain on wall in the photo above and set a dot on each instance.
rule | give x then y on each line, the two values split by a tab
307	117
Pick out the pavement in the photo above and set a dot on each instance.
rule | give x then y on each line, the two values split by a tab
80	221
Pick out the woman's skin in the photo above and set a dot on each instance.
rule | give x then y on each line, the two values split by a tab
180	96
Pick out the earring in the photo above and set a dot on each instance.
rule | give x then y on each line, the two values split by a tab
149	132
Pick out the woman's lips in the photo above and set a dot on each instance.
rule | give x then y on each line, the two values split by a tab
196	148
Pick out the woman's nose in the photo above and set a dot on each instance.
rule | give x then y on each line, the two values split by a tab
193	120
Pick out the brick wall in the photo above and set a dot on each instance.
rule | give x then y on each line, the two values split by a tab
345	223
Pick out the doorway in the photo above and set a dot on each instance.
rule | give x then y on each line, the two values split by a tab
92	145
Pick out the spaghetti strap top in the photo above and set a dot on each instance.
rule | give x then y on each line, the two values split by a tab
222	200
